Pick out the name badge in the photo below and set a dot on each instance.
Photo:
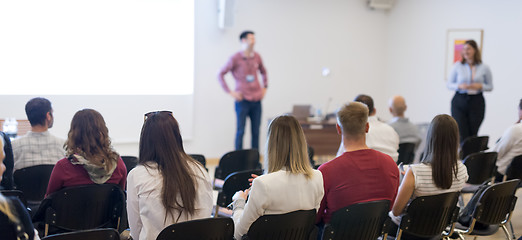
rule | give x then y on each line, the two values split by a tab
250	78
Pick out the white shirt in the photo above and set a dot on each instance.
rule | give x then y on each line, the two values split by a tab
145	209
425	186
277	193
382	137
37	148
508	147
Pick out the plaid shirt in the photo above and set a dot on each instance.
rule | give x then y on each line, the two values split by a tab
36	148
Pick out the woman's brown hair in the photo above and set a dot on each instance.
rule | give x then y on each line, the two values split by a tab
477	58
89	138
442	150
161	143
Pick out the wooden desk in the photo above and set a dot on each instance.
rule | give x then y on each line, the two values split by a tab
322	137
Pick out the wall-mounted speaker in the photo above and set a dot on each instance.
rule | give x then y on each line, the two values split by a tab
226	10
381	4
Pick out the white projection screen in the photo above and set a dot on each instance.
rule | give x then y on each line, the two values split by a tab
121	57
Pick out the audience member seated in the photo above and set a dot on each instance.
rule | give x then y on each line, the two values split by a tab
90	157
439	171
7	181
408	132
167	186
14	218
290	183
509	145
38	146
380	136
360	174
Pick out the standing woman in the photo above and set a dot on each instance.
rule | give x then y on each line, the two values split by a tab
290	183
167	186
469	78
90	156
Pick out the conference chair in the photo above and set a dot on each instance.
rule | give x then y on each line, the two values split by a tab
17	194
362	221
429	216
481	168
473	144
406	153
235	161
33	181
201	229
290	226
514	171
200	158
130	162
81	208
97	234
493	210
237	181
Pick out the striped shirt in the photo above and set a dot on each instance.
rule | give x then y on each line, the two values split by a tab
425	186
36	148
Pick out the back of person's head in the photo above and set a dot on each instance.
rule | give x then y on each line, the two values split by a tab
520	105
397	105
36	110
286	147
161	143
89	138
477	58
244	34
352	118
441	150
362	98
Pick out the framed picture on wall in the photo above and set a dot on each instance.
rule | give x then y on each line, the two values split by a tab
454	43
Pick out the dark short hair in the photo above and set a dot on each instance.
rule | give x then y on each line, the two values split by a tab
36	110
244	34
520	104
362	98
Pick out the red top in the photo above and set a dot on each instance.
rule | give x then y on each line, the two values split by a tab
357	176
65	174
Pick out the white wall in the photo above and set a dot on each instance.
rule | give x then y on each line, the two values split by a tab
415	57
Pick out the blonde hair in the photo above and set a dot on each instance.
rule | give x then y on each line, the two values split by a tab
286	147
352	117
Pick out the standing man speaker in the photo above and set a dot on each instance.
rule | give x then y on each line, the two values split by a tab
248	93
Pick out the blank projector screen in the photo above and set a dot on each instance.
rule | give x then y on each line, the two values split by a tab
120	57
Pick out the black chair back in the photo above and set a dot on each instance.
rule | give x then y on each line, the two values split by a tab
15	193
514	171
33	181
294	225
358	221
98	234
235	182
200	158
481	166
236	161
130	162
82	207
473	144
428	216
406	153
201	229
496	202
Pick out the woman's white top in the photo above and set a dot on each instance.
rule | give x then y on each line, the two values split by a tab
145	209
425	186
277	193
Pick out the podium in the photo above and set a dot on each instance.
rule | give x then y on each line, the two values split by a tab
322	137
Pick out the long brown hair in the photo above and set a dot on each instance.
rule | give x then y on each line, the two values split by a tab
89	138
441	150
161	143
477	57
286	147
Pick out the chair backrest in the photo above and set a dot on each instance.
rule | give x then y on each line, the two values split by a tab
84	207
358	221
98	234
235	161
130	162
406	153
496	202
15	193
33	181
481	166
294	225
200	158
428	216
235	182
473	144
201	229
514	171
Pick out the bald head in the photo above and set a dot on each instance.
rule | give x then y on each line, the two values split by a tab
397	106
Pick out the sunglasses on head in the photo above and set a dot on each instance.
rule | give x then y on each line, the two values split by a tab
150	114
